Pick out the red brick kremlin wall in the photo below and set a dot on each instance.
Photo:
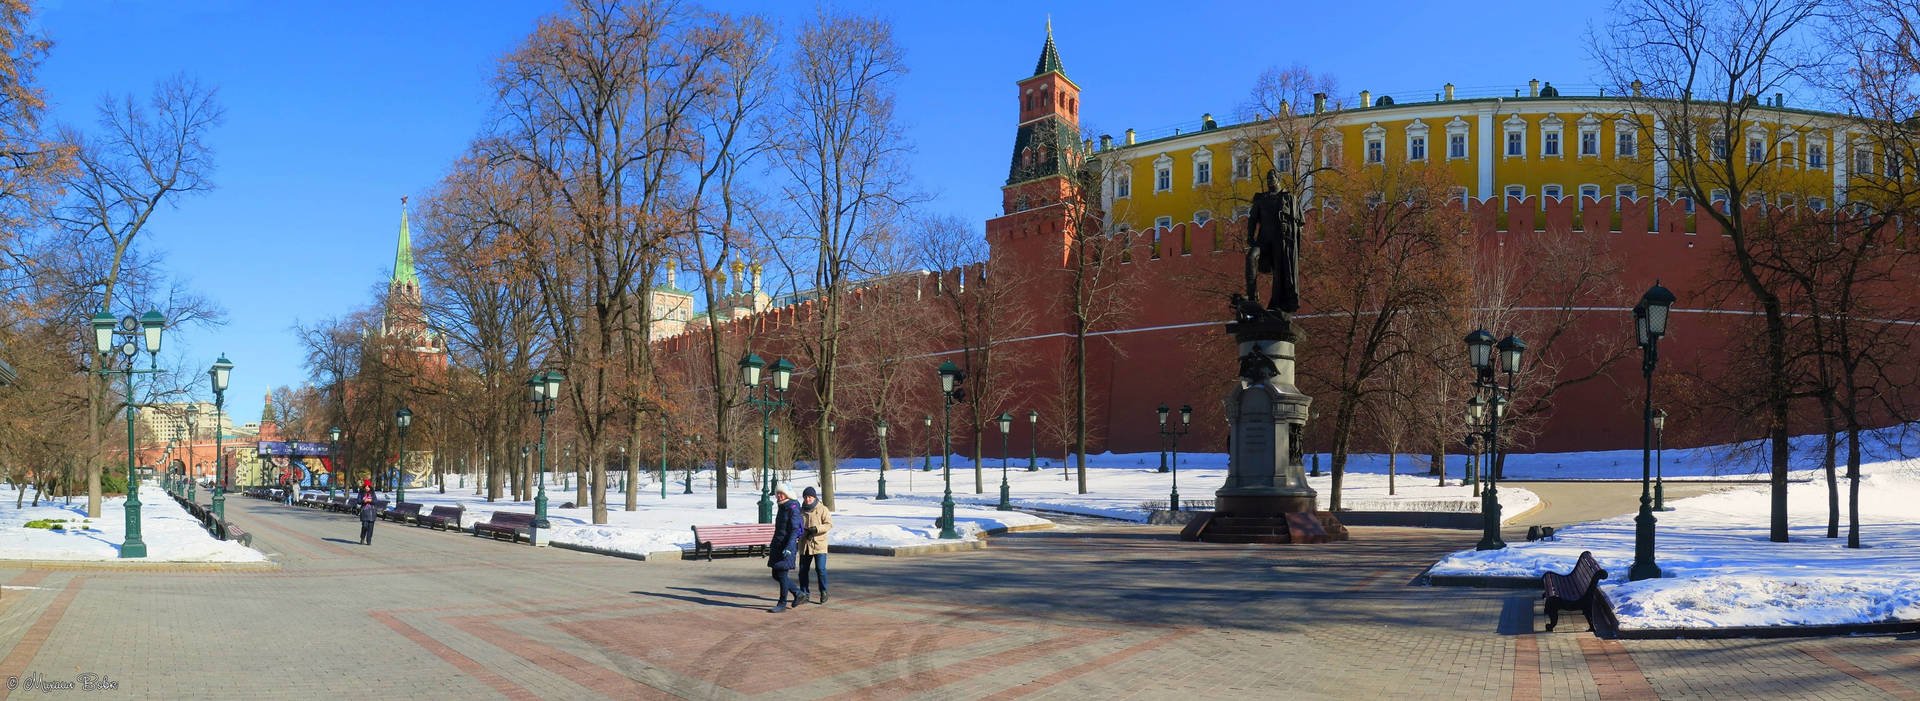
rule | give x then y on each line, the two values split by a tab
1171	347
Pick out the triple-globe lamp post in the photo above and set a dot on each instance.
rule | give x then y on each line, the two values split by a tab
1480	353
543	390
767	399
124	335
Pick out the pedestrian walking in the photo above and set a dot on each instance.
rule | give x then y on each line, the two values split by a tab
784	550
367	516
366	490
818	519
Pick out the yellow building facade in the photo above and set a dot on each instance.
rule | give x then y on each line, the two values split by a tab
1517	151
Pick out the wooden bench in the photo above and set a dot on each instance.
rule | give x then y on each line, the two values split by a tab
748	537
445	518
404	512
337	504
508	524
225	530
1578	590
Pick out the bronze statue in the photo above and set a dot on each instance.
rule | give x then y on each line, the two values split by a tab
1273	246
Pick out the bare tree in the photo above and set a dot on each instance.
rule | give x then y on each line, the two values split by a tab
1691	71
142	158
595	107
1390	243
840	153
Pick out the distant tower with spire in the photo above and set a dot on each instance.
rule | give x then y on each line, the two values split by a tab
406	318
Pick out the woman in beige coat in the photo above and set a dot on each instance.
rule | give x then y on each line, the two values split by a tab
813	541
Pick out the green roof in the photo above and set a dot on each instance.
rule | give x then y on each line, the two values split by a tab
403	255
1049	56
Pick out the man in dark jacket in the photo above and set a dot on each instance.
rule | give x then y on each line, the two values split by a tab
367	517
784	550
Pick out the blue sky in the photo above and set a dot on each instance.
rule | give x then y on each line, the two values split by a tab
334	110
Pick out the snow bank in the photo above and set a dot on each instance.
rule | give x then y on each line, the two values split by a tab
170	533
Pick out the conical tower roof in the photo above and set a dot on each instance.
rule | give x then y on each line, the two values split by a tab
1049	56
403	272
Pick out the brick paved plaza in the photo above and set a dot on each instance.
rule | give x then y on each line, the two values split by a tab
1087	611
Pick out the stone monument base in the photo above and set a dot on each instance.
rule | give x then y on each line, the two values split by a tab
1264	505
1291	528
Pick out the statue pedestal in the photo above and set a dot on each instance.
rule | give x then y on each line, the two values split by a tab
1266	497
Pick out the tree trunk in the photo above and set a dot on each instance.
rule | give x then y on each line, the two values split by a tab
1393	458
1853	484
979	474
1833	485
1080	400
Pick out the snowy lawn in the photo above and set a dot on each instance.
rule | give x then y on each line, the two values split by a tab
1721	571
666	525
170	533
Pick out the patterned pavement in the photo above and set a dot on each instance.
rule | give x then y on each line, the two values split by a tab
1110	612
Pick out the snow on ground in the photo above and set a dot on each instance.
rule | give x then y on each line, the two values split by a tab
664	525
170	533
1721	571
1119	491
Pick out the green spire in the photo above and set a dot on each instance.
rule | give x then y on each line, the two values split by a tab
403	256
1049	56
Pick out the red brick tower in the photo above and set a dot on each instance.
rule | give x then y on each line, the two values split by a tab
1030	238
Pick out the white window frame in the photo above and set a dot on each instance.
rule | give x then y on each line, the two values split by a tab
1202	167
1375	151
1756	148
1718	148
1552	137
1718	199
1510	193
1458	128
1895	167
1514	135
1816	163
1283	159
1589	127
1626	139
1163	174
1586	190
1862	160
1417	141
1123	185
1622	193
1817	204
1242	165
1544	194
1203	216
1241	211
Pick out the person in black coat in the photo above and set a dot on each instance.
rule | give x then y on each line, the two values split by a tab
367	517
784	550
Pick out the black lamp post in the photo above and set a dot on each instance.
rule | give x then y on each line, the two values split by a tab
1005	420
1659	441
1480	347
219	374
543	390
402	419
333	455
1033	440
131	330
880	430
1649	324
767	400
193	436
950	392
1170	435
1476	418
927	464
